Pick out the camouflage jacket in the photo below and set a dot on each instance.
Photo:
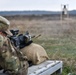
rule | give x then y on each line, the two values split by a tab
9	56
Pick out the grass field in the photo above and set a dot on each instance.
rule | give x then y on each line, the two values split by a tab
64	49
58	38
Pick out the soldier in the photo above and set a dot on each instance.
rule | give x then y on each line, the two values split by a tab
11	60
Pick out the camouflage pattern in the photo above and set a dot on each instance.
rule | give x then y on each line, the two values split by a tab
11	62
4	23
3	26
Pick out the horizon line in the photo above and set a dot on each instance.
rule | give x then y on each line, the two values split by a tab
35	10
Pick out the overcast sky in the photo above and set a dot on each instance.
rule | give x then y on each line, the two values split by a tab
49	5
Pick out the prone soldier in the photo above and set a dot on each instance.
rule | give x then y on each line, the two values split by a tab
11	60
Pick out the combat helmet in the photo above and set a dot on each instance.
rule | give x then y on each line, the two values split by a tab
4	24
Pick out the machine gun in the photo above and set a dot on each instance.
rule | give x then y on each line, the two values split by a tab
20	40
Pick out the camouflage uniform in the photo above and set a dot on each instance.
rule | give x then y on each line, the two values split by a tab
10	61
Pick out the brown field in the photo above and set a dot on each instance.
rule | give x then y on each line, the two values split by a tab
57	37
46	25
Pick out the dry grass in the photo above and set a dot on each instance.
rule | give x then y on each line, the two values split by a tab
43	25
